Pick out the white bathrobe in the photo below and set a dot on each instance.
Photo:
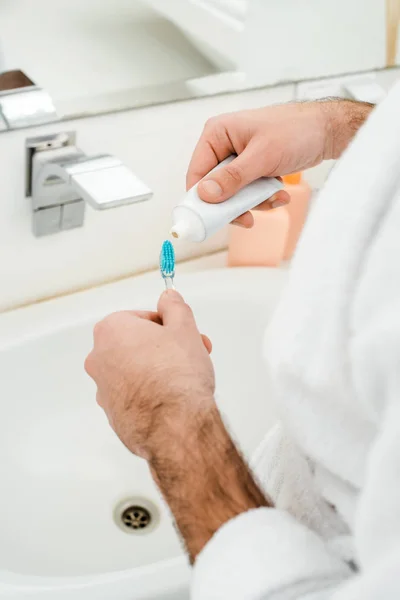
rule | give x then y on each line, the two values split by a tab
333	464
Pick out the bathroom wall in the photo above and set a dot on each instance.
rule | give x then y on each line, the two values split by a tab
156	143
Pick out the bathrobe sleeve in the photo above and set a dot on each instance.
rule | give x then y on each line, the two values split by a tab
265	554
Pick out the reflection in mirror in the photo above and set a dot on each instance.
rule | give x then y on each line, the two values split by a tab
90	55
102	56
22	103
14	80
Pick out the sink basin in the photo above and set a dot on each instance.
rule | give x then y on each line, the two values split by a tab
80	517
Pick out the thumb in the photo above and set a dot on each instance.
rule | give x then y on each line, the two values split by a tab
174	311
226	181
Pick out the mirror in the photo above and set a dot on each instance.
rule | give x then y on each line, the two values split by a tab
99	56
67	59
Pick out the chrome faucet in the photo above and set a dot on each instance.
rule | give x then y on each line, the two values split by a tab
60	179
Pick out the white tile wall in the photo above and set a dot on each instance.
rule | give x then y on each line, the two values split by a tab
156	142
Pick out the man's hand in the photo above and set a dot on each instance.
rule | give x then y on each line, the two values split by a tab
272	141
153	375
155	382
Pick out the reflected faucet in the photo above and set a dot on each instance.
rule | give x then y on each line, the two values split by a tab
60	179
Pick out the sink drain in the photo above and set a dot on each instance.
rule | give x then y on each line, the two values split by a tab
136	515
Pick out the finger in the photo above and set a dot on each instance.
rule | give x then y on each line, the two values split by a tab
246	220
147	315
203	160
228	180
281	198
207	343
174	312
210	150
122	318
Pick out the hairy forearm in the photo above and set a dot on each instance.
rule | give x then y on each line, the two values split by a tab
343	119
205	481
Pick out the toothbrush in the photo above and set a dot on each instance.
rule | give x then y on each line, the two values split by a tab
167	264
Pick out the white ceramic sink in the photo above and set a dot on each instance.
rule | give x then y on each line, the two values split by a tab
64	473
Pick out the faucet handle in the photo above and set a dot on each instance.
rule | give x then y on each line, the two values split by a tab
60	179
105	182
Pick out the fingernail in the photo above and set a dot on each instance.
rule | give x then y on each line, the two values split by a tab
212	189
279	203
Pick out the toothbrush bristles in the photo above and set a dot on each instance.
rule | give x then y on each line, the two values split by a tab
167	260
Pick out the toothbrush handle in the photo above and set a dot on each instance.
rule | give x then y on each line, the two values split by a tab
169	283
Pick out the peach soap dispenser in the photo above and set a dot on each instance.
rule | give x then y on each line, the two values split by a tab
300	194
264	244
275	233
